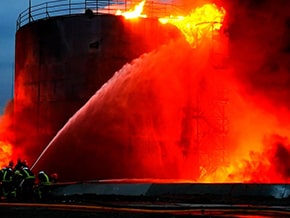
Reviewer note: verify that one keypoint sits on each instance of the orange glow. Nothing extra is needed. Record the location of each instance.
(6, 151)
(170, 120)
(179, 137)
(201, 22)
(131, 14)
(6, 136)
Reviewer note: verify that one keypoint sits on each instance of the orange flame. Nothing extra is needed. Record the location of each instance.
(5, 153)
(131, 14)
(198, 23)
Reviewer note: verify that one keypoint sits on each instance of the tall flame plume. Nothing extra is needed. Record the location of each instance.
(6, 152)
(131, 14)
(199, 23)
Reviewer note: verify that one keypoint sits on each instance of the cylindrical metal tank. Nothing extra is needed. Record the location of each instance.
(62, 61)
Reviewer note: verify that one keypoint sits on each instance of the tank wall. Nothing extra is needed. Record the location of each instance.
(61, 62)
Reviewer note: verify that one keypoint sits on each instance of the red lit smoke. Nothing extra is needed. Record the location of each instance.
(168, 82)
(259, 34)
(18, 136)
(259, 53)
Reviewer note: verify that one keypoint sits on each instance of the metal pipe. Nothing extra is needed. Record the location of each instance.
(29, 12)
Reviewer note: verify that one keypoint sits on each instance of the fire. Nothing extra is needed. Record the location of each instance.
(131, 14)
(6, 151)
(199, 23)
(154, 137)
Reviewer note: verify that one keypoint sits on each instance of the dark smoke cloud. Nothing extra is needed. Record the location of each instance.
(259, 33)
(271, 165)
(279, 154)
(282, 157)
(259, 51)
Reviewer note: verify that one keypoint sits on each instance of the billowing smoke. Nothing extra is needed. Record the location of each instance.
(16, 137)
(257, 111)
(259, 32)
(279, 154)
(132, 127)
(137, 125)
(270, 165)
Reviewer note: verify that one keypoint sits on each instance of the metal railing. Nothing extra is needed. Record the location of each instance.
(69, 7)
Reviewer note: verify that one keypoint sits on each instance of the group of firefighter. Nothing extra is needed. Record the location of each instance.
(18, 182)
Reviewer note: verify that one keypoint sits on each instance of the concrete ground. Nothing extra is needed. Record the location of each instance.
(116, 199)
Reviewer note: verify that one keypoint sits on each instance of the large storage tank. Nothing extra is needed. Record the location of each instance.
(61, 61)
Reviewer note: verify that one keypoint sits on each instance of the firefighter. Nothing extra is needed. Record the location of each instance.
(44, 185)
(7, 181)
(1, 175)
(54, 177)
(20, 164)
(27, 183)
(17, 179)
(1, 179)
